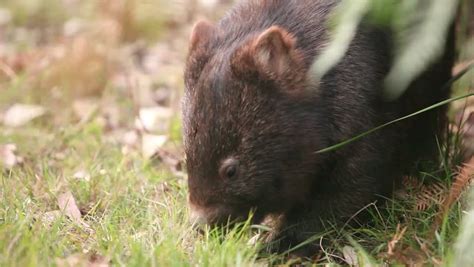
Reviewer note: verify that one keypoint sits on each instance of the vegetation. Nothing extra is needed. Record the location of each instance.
(91, 168)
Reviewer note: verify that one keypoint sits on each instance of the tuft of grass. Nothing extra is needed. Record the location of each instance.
(136, 216)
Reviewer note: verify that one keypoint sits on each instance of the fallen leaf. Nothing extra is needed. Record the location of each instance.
(5, 16)
(93, 260)
(130, 138)
(464, 126)
(73, 260)
(395, 239)
(253, 241)
(85, 108)
(82, 175)
(209, 4)
(98, 261)
(73, 26)
(171, 160)
(460, 185)
(408, 256)
(7, 156)
(20, 114)
(154, 119)
(48, 218)
(350, 256)
(67, 204)
(59, 155)
(162, 95)
(461, 66)
(151, 144)
(429, 196)
(111, 113)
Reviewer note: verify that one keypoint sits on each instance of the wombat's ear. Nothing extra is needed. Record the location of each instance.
(198, 53)
(273, 50)
(272, 54)
(201, 34)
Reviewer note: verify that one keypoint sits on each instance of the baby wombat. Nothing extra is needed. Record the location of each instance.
(254, 120)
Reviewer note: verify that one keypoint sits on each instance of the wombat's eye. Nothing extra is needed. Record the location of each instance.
(229, 168)
(230, 171)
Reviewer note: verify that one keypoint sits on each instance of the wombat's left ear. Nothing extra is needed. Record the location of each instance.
(201, 34)
(273, 53)
(198, 54)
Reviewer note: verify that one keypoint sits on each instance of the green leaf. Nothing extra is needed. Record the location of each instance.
(347, 18)
(421, 38)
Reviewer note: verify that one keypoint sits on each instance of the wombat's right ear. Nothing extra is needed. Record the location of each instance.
(272, 55)
(202, 33)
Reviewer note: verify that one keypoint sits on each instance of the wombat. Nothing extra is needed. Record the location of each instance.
(253, 120)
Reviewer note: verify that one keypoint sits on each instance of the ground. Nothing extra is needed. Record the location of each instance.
(91, 156)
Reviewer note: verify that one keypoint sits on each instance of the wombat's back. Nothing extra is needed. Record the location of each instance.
(353, 86)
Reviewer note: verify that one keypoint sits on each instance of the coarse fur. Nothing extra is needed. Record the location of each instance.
(253, 120)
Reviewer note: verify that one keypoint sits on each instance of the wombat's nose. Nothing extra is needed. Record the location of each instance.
(197, 216)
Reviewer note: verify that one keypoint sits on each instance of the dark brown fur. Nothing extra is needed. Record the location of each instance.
(249, 105)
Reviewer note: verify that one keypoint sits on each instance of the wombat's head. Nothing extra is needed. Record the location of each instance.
(250, 124)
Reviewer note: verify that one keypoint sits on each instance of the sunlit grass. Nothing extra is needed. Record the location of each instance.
(137, 214)
(133, 209)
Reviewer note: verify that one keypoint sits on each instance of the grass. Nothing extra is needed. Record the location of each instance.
(133, 209)
(137, 215)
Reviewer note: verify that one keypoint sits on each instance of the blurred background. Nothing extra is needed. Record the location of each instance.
(90, 128)
(116, 63)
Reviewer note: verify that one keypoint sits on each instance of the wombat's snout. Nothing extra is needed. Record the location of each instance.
(213, 215)
(197, 216)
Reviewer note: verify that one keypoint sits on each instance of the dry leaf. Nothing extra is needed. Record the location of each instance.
(350, 256)
(395, 239)
(429, 196)
(82, 175)
(461, 66)
(49, 217)
(83, 260)
(408, 256)
(464, 126)
(154, 119)
(5, 16)
(8, 159)
(85, 108)
(460, 184)
(172, 161)
(67, 204)
(209, 4)
(408, 183)
(151, 144)
(129, 139)
(21, 114)
(111, 113)
(253, 241)
(73, 27)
